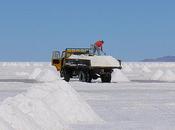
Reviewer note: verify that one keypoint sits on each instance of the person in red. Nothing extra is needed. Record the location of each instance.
(98, 47)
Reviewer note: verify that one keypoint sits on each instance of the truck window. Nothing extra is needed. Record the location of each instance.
(55, 55)
(63, 54)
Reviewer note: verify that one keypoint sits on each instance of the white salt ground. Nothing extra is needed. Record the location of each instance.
(21, 74)
(37, 64)
(118, 76)
(4, 64)
(137, 65)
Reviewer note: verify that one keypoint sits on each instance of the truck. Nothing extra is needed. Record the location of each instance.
(80, 63)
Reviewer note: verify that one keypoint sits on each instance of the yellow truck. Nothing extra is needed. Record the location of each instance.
(79, 62)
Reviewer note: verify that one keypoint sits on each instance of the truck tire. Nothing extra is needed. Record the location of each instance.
(106, 78)
(85, 76)
(61, 73)
(82, 76)
(88, 77)
(66, 76)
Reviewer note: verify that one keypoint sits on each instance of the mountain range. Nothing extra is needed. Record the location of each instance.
(161, 59)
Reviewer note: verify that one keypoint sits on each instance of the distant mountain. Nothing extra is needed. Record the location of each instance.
(161, 59)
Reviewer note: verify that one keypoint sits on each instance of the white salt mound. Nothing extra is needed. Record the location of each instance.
(70, 106)
(146, 69)
(157, 75)
(47, 76)
(4, 125)
(35, 73)
(118, 76)
(17, 119)
(45, 106)
(127, 68)
(66, 102)
(39, 111)
(168, 76)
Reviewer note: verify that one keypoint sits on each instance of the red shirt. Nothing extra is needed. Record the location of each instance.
(99, 43)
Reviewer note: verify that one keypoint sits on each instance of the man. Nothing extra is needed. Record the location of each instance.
(98, 47)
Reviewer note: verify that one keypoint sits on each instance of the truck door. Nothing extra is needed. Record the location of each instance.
(56, 59)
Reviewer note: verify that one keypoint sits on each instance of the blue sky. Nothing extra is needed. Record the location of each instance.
(132, 29)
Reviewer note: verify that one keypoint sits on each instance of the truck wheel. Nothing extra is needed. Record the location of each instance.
(82, 76)
(88, 78)
(66, 76)
(61, 73)
(106, 78)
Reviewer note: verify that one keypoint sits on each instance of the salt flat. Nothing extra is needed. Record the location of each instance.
(140, 97)
(130, 106)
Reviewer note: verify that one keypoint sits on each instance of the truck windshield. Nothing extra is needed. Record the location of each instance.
(76, 51)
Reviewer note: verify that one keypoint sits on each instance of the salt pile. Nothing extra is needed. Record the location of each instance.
(127, 68)
(146, 69)
(17, 119)
(168, 76)
(50, 105)
(35, 73)
(39, 111)
(118, 76)
(62, 98)
(47, 76)
(4, 125)
(157, 75)
(65, 101)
